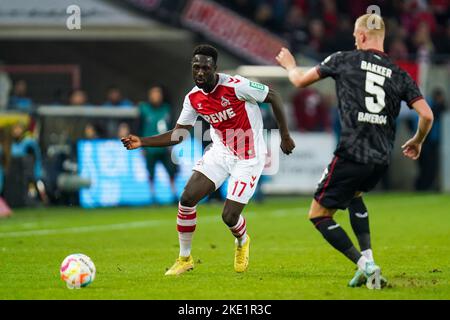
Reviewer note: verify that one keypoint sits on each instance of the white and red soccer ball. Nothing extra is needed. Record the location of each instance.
(77, 270)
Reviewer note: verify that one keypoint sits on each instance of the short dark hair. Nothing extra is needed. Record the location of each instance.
(206, 50)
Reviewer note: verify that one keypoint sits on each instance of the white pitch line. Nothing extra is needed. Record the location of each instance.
(95, 228)
(123, 226)
(45, 232)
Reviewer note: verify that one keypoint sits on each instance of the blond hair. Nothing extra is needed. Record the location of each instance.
(372, 23)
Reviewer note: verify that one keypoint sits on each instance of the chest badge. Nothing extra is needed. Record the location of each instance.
(225, 102)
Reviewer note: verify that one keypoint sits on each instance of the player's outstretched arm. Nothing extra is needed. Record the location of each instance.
(287, 144)
(169, 138)
(413, 146)
(297, 78)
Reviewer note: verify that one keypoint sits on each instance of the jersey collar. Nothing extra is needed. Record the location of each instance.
(217, 84)
(378, 51)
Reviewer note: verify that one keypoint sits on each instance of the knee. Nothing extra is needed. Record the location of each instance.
(318, 211)
(187, 199)
(230, 217)
(317, 214)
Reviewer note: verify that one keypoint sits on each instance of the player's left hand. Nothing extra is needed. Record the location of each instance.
(287, 145)
(286, 59)
(411, 149)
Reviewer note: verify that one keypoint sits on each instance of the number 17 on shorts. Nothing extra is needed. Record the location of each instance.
(241, 187)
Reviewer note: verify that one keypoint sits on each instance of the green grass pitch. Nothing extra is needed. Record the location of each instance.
(289, 259)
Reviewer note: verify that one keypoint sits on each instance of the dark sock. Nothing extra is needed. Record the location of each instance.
(337, 237)
(359, 219)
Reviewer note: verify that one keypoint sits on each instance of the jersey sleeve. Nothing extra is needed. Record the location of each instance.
(247, 90)
(188, 114)
(330, 66)
(411, 92)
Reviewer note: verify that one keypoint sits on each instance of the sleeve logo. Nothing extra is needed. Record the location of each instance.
(257, 85)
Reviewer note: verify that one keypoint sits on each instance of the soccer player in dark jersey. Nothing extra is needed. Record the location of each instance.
(370, 88)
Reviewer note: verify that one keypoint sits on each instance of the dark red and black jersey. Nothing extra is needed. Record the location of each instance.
(369, 88)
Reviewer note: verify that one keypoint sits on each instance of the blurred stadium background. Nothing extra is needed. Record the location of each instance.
(68, 93)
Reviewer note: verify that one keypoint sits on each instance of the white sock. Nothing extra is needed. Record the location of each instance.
(368, 254)
(185, 243)
(362, 262)
(242, 240)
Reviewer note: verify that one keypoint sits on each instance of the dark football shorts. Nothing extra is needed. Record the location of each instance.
(343, 178)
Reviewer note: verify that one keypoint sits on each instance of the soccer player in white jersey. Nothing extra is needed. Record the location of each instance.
(230, 105)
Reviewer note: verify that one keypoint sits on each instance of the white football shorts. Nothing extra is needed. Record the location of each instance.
(244, 174)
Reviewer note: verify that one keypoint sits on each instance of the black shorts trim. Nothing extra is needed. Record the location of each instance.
(333, 166)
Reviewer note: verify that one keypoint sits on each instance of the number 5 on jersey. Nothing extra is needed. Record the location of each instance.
(374, 86)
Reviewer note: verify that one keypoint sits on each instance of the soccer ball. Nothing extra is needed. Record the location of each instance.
(77, 270)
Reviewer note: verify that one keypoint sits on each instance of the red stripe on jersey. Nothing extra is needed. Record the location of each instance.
(232, 126)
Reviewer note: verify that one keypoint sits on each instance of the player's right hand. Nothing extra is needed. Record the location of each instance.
(411, 149)
(286, 59)
(131, 142)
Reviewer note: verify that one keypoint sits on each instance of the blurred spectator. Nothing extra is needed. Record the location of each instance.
(24, 174)
(398, 50)
(425, 16)
(422, 39)
(123, 130)
(264, 15)
(155, 119)
(267, 116)
(330, 16)
(316, 38)
(295, 28)
(441, 10)
(311, 111)
(114, 98)
(319, 28)
(19, 99)
(24, 144)
(93, 131)
(5, 153)
(78, 97)
(428, 161)
(342, 39)
(443, 40)
(357, 7)
(5, 88)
